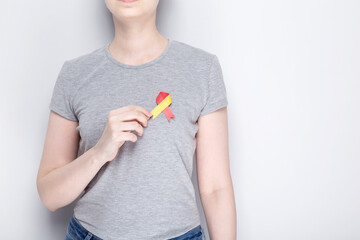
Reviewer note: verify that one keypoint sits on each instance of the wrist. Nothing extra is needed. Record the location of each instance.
(98, 157)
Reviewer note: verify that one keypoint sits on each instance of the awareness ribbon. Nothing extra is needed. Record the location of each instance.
(163, 100)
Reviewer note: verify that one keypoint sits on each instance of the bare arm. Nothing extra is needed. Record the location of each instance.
(61, 178)
(214, 178)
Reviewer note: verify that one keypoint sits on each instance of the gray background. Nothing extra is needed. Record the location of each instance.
(292, 74)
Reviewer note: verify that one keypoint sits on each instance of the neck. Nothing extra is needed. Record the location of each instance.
(137, 41)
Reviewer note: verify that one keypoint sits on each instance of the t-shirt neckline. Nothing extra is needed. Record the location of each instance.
(163, 54)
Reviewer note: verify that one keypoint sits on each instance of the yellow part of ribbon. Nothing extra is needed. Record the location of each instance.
(161, 106)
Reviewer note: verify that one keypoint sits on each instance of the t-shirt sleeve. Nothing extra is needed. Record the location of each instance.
(61, 97)
(216, 91)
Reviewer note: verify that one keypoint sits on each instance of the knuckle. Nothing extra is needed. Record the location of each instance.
(110, 118)
(135, 125)
(137, 114)
(113, 136)
(111, 126)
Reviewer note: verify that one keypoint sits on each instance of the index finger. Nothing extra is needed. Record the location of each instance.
(133, 107)
(141, 109)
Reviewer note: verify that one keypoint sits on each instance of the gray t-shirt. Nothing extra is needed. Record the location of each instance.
(146, 192)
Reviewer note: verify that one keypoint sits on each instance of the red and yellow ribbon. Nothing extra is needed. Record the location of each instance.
(163, 100)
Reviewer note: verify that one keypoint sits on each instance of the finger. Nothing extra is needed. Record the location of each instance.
(127, 136)
(134, 115)
(143, 110)
(132, 126)
(133, 107)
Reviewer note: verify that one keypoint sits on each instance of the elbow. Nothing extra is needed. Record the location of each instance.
(214, 190)
(52, 209)
(45, 197)
(48, 203)
(49, 206)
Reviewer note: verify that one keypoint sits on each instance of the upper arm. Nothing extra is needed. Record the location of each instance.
(62, 136)
(61, 143)
(212, 157)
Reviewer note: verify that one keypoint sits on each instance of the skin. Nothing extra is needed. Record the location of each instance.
(213, 175)
(62, 177)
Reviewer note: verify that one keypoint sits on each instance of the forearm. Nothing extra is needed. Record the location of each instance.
(63, 185)
(220, 213)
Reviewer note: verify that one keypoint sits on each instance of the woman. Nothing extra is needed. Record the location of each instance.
(173, 97)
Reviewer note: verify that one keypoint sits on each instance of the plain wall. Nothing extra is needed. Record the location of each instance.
(291, 70)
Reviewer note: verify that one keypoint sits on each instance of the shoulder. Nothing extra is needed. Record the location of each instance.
(75, 71)
(85, 62)
(192, 54)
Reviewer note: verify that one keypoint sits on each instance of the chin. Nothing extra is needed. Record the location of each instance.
(127, 15)
(138, 9)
